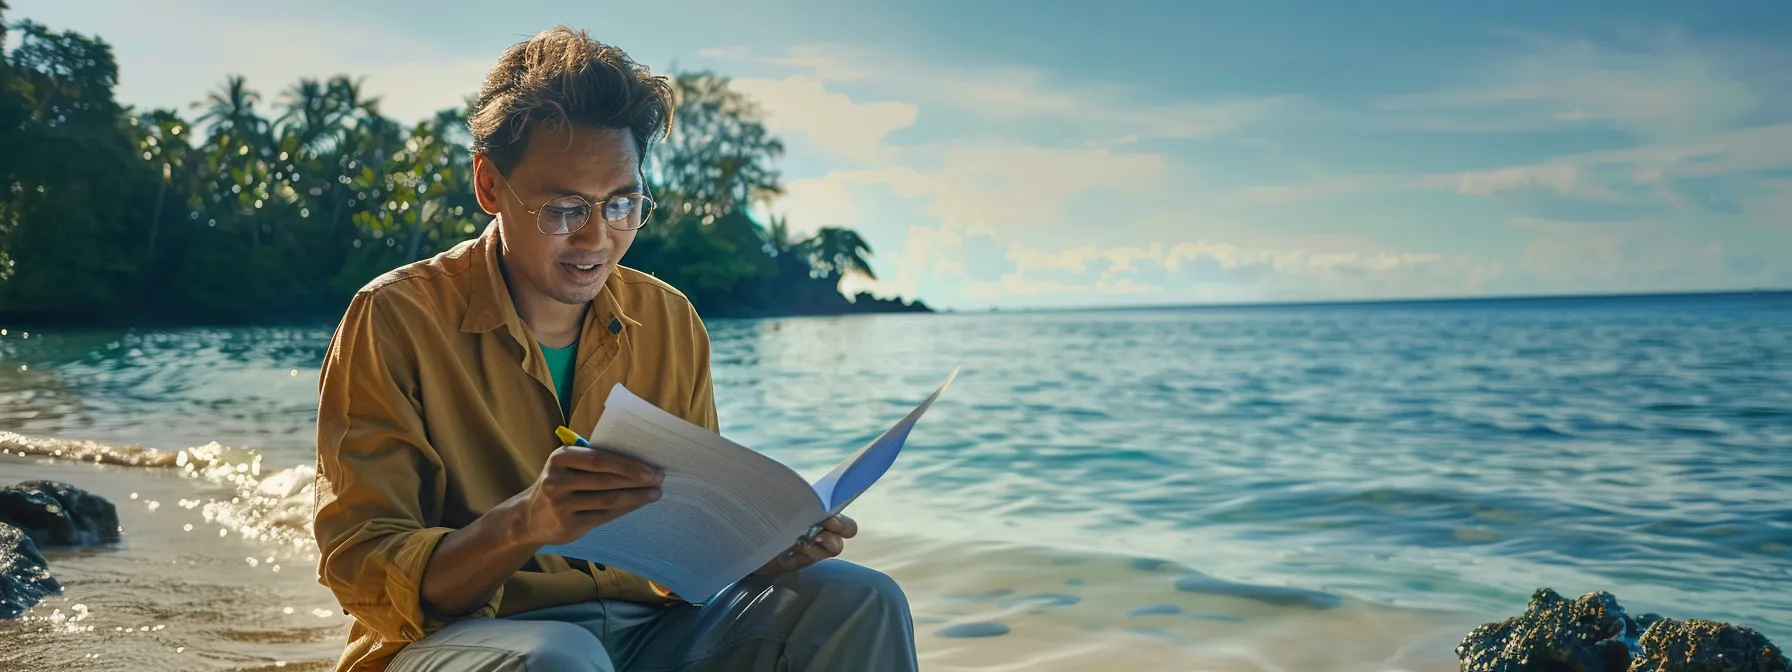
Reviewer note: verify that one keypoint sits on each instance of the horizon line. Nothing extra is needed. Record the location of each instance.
(1490, 298)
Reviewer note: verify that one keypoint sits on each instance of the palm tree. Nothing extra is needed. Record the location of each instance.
(163, 139)
(310, 115)
(230, 111)
(835, 253)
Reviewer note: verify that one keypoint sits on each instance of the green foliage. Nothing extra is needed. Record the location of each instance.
(719, 156)
(71, 182)
(270, 209)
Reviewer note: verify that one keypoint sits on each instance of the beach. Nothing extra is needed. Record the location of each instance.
(196, 599)
(1311, 488)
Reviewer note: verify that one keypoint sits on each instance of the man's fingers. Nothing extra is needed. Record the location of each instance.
(830, 542)
(792, 561)
(602, 461)
(841, 525)
(814, 553)
(609, 500)
(574, 480)
(824, 547)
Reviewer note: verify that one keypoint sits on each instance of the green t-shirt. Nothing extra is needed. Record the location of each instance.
(560, 365)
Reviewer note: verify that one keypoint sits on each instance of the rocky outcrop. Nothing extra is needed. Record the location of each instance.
(1706, 646)
(1593, 634)
(58, 514)
(24, 574)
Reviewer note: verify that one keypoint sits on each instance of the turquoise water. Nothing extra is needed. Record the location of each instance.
(1454, 455)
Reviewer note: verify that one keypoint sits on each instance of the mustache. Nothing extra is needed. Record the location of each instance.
(585, 258)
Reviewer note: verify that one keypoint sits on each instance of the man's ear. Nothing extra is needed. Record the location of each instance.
(485, 184)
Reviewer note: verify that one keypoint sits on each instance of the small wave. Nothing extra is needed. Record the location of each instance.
(1757, 413)
(76, 450)
(1531, 431)
(273, 507)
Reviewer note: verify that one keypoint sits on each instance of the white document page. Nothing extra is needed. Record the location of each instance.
(857, 474)
(724, 509)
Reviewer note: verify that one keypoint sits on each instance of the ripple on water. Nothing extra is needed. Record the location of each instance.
(970, 630)
(1276, 595)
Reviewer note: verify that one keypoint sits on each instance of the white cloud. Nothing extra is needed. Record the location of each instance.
(1563, 250)
(1016, 284)
(1597, 176)
(1127, 286)
(1660, 87)
(1625, 256)
(803, 107)
(1772, 207)
(1738, 152)
(986, 187)
(818, 60)
(927, 253)
(1106, 109)
(1334, 267)
(1268, 194)
(1563, 177)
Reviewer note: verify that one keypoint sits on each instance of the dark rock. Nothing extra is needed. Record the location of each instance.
(1592, 634)
(1706, 646)
(1276, 595)
(1553, 635)
(1642, 623)
(24, 574)
(59, 514)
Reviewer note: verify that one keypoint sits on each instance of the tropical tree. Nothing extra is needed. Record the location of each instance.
(241, 213)
(229, 113)
(72, 179)
(718, 155)
(835, 253)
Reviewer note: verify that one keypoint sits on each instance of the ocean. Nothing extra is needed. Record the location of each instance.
(1346, 486)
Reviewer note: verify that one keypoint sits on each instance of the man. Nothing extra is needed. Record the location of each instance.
(439, 474)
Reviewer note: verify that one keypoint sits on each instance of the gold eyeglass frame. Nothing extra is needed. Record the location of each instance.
(646, 207)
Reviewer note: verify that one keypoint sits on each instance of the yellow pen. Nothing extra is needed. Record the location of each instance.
(571, 438)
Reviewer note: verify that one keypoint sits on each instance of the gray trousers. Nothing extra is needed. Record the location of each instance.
(833, 615)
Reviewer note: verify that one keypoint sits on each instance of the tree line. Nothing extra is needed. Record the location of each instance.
(255, 207)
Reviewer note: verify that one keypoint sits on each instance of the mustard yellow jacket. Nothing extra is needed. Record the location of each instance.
(436, 405)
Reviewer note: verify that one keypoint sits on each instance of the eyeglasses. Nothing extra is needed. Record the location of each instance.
(567, 214)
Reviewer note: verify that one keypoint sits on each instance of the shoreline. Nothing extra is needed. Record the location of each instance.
(17, 322)
(232, 592)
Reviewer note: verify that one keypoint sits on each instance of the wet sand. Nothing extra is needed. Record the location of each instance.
(237, 591)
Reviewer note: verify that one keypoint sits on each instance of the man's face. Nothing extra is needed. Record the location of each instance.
(570, 160)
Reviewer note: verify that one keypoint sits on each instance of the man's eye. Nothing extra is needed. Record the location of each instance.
(617, 208)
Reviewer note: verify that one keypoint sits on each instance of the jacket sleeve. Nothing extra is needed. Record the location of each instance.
(379, 482)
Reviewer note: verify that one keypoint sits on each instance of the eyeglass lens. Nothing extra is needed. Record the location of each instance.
(569, 214)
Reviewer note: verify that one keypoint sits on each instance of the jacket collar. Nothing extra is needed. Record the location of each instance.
(490, 305)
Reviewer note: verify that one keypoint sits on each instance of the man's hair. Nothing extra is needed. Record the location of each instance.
(561, 76)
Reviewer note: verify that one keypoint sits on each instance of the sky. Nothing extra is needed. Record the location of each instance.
(1058, 154)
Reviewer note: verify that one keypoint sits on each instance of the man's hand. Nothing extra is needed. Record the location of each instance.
(581, 488)
(829, 543)
(578, 489)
